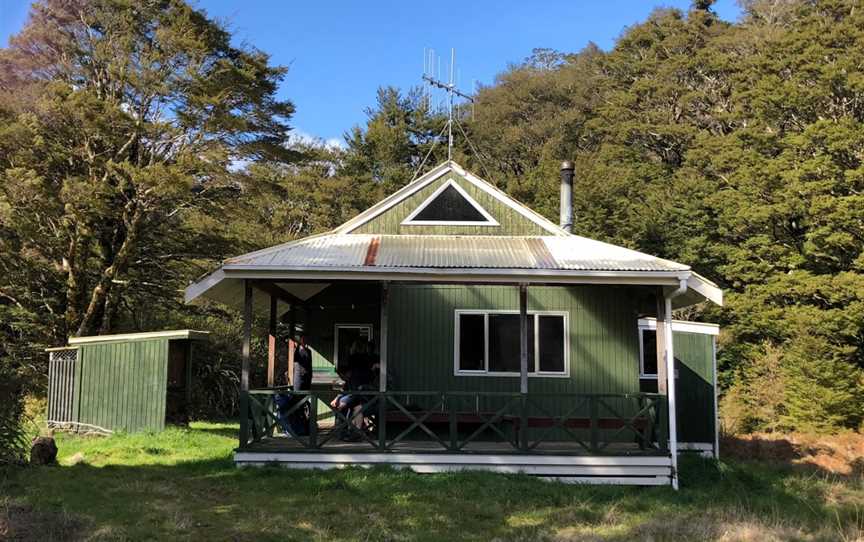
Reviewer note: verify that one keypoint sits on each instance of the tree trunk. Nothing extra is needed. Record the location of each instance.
(96, 309)
(79, 247)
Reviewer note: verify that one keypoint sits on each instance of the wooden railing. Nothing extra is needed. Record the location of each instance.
(424, 421)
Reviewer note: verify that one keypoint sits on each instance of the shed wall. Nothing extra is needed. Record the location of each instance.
(694, 362)
(122, 386)
(694, 365)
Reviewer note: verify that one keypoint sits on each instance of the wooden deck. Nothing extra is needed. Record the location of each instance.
(280, 443)
(563, 461)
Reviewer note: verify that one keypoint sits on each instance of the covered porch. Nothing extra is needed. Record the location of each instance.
(622, 438)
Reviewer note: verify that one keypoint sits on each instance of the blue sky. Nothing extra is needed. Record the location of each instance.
(339, 52)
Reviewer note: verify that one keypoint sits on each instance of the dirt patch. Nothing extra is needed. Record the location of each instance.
(838, 454)
(21, 522)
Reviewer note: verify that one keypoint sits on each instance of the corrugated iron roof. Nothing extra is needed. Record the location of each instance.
(453, 252)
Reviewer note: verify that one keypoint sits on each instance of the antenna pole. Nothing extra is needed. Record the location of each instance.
(452, 93)
(450, 109)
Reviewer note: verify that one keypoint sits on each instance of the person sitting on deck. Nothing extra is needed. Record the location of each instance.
(360, 375)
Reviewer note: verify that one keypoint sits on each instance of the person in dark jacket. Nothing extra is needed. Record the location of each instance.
(302, 365)
(302, 381)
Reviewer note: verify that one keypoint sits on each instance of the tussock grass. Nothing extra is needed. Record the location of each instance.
(181, 484)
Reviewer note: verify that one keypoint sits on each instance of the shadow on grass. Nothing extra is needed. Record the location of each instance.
(230, 432)
(829, 456)
(213, 499)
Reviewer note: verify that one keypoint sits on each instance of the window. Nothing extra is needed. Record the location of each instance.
(648, 349)
(450, 205)
(487, 343)
(504, 344)
(471, 338)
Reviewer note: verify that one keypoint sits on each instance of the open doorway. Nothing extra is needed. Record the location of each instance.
(345, 336)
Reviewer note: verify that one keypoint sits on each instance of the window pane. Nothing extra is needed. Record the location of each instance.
(552, 344)
(450, 206)
(504, 343)
(649, 352)
(471, 342)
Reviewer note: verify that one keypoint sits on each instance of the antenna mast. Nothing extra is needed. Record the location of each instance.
(449, 88)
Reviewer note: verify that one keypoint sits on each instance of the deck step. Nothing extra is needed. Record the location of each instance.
(573, 469)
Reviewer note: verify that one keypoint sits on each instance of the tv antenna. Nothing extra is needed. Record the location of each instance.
(430, 63)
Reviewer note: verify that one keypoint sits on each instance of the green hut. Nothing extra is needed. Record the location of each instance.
(505, 342)
(129, 382)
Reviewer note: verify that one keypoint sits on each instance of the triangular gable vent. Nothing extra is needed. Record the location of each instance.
(450, 205)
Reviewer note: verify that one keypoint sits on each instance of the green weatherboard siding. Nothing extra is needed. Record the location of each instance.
(603, 337)
(694, 364)
(603, 347)
(694, 356)
(122, 386)
(603, 333)
(511, 222)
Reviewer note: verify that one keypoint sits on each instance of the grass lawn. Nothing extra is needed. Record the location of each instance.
(181, 484)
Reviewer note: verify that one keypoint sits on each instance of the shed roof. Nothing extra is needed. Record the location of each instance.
(123, 337)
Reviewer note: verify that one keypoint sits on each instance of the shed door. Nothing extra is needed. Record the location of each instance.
(61, 386)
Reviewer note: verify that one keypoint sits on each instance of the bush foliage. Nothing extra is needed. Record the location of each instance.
(737, 148)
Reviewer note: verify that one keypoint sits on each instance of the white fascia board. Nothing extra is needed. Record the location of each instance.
(705, 288)
(420, 274)
(197, 289)
(682, 326)
(393, 199)
(433, 175)
(489, 219)
(507, 200)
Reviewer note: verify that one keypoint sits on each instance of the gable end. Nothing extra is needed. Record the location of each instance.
(401, 213)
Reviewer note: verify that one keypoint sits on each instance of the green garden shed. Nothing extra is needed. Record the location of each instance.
(129, 382)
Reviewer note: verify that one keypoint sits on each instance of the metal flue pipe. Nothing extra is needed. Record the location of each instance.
(567, 171)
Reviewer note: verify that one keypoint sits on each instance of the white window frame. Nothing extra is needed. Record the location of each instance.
(485, 371)
(650, 324)
(490, 220)
(337, 327)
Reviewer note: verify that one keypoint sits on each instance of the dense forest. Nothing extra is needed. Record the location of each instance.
(139, 146)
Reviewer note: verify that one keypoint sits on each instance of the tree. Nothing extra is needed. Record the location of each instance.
(121, 121)
(735, 148)
(399, 133)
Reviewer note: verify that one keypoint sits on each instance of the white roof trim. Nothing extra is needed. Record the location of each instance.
(196, 289)
(683, 326)
(393, 199)
(705, 288)
(461, 275)
(489, 219)
(171, 334)
(432, 176)
(504, 198)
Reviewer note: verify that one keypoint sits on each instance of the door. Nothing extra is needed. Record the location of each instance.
(345, 336)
